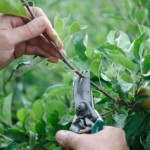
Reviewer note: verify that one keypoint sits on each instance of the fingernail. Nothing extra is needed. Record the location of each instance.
(39, 22)
(60, 135)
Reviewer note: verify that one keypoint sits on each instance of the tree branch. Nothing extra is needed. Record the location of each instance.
(111, 111)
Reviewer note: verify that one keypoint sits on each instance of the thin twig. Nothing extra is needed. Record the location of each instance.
(111, 111)
(66, 61)
(102, 91)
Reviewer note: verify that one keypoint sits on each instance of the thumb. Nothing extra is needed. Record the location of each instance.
(28, 31)
(68, 139)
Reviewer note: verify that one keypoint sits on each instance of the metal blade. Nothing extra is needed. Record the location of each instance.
(82, 90)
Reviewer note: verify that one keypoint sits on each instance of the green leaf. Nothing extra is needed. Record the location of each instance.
(58, 24)
(22, 114)
(124, 61)
(144, 29)
(56, 90)
(25, 67)
(95, 64)
(134, 126)
(40, 127)
(137, 49)
(18, 136)
(105, 77)
(89, 52)
(53, 119)
(32, 138)
(113, 48)
(125, 86)
(37, 110)
(141, 15)
(120, 39)
(120, 118)
(6, 110)
(12, 7)
(80, 47)
(146, 76)
(66, 119)
(148, 141)
(75, 27)
(146, 64)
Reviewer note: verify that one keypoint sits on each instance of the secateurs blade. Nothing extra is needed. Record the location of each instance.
(87, 119)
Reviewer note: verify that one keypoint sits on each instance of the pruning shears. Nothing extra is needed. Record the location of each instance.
(87, 119)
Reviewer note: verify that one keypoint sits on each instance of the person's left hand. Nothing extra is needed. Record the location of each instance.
(19, 36)
(110, 138)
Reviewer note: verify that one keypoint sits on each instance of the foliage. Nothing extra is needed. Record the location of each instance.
(34, 106)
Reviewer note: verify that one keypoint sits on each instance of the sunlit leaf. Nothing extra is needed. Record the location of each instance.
(120, 118)
(58, 24)
(137, 49)
(37, 110)
(56, 89)
(120, 39)
(95, 63)
(76, 27)
(80, 47)
(124, 61)
(144, 29)
(12, 7)
(125, 86)
(22, 114)
(141, 15)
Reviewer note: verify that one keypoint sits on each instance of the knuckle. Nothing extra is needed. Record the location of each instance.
(120, 132)
(74, 139)
(38, 10)
(27, 29)
(5, 37)
(43, 18)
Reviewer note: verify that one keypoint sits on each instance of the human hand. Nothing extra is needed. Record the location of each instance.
(110, 138)
(18, 36)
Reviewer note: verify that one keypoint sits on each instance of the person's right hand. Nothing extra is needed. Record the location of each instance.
(23, 37)
(110, 138)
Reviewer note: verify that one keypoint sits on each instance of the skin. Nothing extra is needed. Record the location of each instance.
(20, 37)
(110, 138)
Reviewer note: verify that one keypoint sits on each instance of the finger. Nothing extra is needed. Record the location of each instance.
(49, 29)
(68, 139)
(9, 22)
(22, 49)
(41, 42)
(33, 50)
(27, 31)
